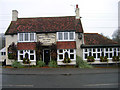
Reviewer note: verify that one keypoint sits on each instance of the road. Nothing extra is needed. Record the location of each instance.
(61, 81)
(60, 78)
(57, 80)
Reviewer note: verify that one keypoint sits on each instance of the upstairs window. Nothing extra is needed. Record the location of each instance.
(26, 37)
(60, 36)
(71, 35)
(21, 37)
(65, 36)
(31, 36)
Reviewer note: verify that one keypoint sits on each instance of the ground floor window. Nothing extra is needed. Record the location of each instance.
(98, 52)
(30, 54)
(68, 53)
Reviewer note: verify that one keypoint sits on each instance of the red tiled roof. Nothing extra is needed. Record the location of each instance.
(45, 24)
(97, 39)
(66, 45)
(26, 46)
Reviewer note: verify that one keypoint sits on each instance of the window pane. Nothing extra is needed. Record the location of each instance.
(106, 49)
(110, 55)
(31, 36)
(31, 51)
(119, 54)
(98, 49)
(94, 50)
(60, 56)
(85, 50)
(110, 49)
(94, 55)
(60, 36)
(1, 53)
(98, 55)
(102, 54)
(114, 53)
(71, 35)
(65, 36)
(21, 51)
(71, 56)
(89, 49)
(26, 36)
(86, 56)
(31, 57)
(61, 51)
(21, 57)
(71, 51)
(118, 49)
(107, 55)
(90, 54)
(21, 36)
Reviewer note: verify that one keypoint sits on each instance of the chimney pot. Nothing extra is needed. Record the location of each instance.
(76, 5)
(14, 15)
(77, 12)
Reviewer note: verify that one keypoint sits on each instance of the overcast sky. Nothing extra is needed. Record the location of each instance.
(98, 16)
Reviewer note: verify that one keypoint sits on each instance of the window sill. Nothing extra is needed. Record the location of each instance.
(65, 40)
(26, 41)
(22, 60)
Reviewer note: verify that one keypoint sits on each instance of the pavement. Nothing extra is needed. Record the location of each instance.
(63, 71)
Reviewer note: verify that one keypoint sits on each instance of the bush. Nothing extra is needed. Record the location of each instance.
(10, 56)
(103, 59)
(115, 58)
(90, 59)
(66, 60)
(26, 61)
(52, 63)
(40, 63)
(82, 64)
(16, 64)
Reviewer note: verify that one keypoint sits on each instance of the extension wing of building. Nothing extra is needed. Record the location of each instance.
(65, 31)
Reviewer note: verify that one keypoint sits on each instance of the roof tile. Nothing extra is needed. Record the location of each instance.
(26, 46)
(45, 24)
(66, 45)
(97, 39)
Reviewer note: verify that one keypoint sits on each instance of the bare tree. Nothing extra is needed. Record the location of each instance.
(116, 36)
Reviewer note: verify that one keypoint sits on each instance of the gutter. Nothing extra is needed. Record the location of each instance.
(99, 46)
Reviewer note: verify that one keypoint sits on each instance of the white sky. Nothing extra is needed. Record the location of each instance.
(98, 16)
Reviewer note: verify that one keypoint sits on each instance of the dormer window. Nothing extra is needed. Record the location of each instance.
(26, 37)
(65, 36)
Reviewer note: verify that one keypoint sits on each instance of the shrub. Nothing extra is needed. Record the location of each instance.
(52, 63)
(82, 64)
(90, 59)
(103, 59)
(26, 61)
(115, 58)
(10, 56)
(16, 64)
(40, 63)
(66, 60)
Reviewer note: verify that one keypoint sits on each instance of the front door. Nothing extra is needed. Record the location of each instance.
(46, 56)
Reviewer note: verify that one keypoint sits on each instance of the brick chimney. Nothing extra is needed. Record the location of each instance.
(14, 15)
(77, 12)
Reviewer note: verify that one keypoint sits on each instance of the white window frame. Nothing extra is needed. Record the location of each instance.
(64, 51)
(63, 36)
(34, 40)
(96, 52)
(24, 52)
